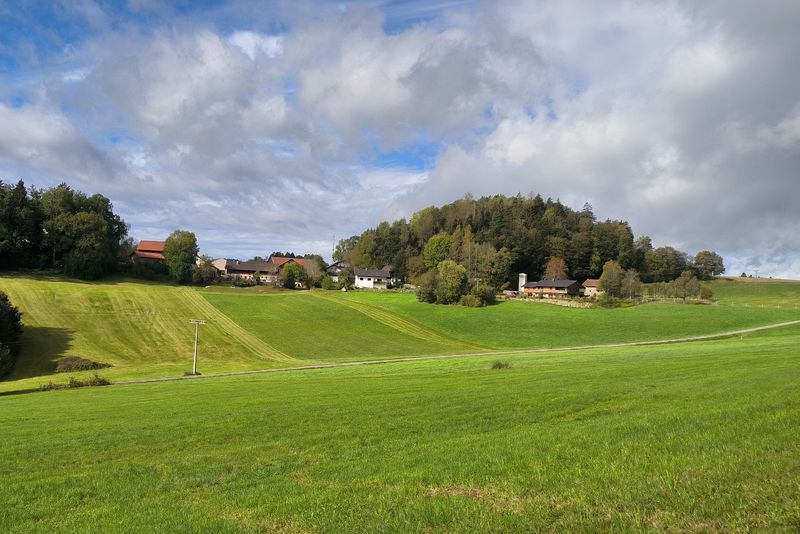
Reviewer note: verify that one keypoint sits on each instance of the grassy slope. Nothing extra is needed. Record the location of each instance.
(516, 324)
(140, 328)
(307, 326)
(700, 436)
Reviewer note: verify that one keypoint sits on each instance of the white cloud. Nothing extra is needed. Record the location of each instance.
(681, 118)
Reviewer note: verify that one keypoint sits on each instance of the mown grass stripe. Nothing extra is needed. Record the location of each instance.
(393, 320)
(248, 340)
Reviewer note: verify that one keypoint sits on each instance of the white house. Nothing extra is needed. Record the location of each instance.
(373, 278)
(592, 286)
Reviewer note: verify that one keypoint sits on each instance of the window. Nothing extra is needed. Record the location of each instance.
(362, 278)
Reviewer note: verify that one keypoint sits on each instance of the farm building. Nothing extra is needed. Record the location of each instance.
(553, 288)
(268, 270)
(149, 252)
(374, 278)
(335, 269)
(592, 287)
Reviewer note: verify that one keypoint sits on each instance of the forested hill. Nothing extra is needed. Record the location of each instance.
(497, 237)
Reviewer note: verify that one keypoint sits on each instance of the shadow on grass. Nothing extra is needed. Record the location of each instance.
(41, 347)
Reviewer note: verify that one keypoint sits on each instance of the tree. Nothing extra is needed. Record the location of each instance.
(347, 278)
(436, 250)
(451, 283)
(205, 273)
(707, 264)
(500, 269)
(426, 287)
(10, 331)
(664, 264)
(292, 275)
(180, 254)
(555, 269)
(344, 247)
(631, 285)
(686, 285)
(611, 279)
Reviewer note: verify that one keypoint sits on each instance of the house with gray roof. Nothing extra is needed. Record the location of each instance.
(550, 289)
(374, 278)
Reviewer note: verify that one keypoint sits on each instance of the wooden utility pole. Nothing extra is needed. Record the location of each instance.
(196, 323)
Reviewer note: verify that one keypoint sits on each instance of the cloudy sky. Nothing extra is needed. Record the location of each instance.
(278, 126)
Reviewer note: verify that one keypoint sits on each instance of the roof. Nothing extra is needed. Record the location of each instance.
(591, 282)
(278, 260)
(555, 284)
(249, 266)
(372, 273)
(148, 255)
(151, 246)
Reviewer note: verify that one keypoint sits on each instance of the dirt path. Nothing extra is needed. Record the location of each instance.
(474, 354)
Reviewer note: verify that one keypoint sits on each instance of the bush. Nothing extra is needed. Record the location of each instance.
(240, 281)
(148, 271)
(426, 287)
(607, 301)
(472, 301)
(76, 363)
(501, 365)
(706, 292)
(73, 383)
(484, 292)
(327, 283)
(10, 330)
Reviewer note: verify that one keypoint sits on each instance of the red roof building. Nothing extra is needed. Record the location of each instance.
(149, 251)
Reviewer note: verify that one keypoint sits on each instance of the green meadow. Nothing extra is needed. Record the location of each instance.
(697, 437)
(142, 329)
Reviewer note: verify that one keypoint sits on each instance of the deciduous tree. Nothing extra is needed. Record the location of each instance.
(555, 269)
(180, 255)
(611, 279)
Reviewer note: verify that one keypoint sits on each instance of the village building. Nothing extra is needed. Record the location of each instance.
(551, 289)
(149, 252)
(335, 269)
(268, 270)
(374, 278)
(591, 287)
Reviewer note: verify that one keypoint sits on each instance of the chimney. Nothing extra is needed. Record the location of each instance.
(523, 279)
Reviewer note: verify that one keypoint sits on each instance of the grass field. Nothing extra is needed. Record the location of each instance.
(697, 437)
(142, 329)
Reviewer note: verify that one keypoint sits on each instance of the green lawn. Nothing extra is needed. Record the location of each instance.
(520, 324)
(142, 328)
(691, 437)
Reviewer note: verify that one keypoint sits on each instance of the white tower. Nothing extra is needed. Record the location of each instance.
(523, 279)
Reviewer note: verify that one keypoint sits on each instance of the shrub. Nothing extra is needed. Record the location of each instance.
(484, 292)
(706, 292)
(10, 330)
(607, 301)
(426, 287)
(472, 301)
(240, 281)
(76, 363)
(73, 383)
(327, 283)
(501, 365)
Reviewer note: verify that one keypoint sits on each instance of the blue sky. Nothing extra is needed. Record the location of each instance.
(275, 126)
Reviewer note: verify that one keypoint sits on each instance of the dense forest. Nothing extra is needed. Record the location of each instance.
(60, 228)
(496, 237)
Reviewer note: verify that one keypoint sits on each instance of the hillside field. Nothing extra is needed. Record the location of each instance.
(142, 328)
(698, 437)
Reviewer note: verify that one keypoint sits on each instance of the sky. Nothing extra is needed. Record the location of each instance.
(265, 126)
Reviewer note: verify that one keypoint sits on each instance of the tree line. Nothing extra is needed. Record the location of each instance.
(496, 237)
(60, 228)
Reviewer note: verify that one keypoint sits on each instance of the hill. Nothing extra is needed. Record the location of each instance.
(689, 437)
(142, 328)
